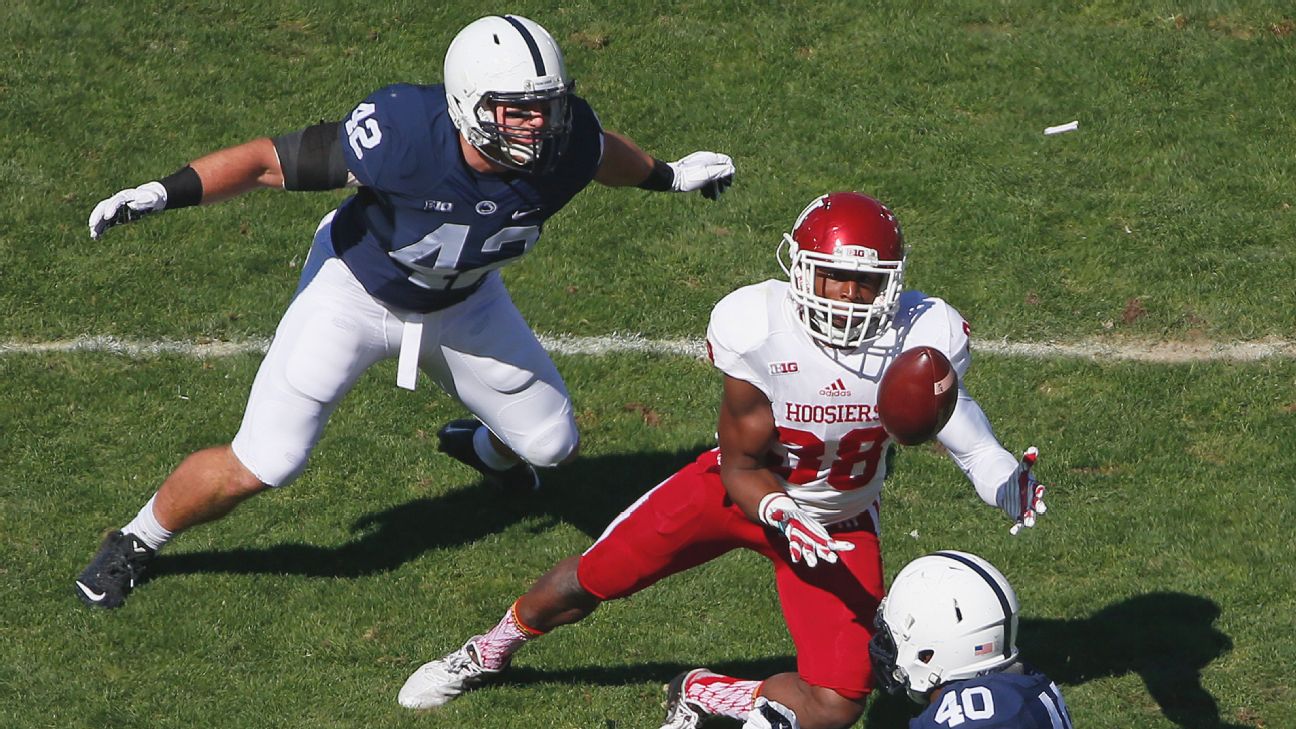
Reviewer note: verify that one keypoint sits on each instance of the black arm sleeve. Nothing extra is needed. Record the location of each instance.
(312, 159)
(660, 178)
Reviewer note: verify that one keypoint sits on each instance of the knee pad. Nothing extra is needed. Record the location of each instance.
(274, 469)
(551, 443)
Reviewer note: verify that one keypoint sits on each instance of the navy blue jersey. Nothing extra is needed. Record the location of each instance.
(425, 228)
(1027, 700)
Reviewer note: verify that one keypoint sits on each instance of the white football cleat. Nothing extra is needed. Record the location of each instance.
(436, 683)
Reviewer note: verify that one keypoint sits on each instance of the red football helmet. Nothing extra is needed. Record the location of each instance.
(845, 231)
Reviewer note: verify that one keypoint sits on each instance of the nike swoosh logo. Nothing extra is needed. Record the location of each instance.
(523, 213)
(94, 596)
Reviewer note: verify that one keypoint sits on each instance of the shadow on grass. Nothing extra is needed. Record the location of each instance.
(587, 494)
(1165, 638)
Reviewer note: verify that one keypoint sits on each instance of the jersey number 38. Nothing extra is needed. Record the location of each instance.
(853, 465)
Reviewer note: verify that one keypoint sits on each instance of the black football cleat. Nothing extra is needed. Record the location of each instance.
(456, 441)
(116, 569)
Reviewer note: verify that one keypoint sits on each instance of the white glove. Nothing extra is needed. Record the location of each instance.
(710, 172)
(770, 715)
(806, 537)
(1022, 497)
(127, 206)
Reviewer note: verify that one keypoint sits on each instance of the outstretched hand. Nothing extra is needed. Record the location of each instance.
(1022, 497)
(710, 172)
(127, 206)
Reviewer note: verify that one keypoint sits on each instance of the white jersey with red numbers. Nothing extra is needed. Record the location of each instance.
(831, 445)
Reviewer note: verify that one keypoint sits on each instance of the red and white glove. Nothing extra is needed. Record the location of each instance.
(807, 539)
(1022, 497)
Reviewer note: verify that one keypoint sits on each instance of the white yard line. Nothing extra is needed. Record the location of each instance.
(1089, 349)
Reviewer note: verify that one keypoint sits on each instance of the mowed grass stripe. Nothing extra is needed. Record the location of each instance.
(1125, 349)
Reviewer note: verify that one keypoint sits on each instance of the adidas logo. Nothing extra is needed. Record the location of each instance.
(836, 388)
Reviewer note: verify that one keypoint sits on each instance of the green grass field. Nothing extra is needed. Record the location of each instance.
(1158, 590)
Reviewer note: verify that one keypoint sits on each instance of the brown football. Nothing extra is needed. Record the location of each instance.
(917, 395)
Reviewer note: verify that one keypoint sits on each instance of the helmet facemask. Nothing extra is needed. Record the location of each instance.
(850, 234)
(882, 654)
(838, 323)
(519, 146)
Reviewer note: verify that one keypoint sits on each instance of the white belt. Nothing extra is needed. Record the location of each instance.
(411, 342)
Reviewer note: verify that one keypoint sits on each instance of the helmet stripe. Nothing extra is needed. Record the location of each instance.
(531, 44)
(998, 591)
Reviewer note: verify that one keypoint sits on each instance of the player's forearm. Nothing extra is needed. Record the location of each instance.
(745, 429)
(235, 170)
(748, 486)
(971, 442)
(624, 163)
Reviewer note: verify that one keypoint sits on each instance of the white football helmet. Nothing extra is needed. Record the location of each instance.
(845, 231)
(949, 616)
(508, 60)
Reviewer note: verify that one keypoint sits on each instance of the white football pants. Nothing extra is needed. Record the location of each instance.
(480, 351)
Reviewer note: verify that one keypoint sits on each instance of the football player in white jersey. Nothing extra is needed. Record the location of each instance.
(455, 180)
(796, 478)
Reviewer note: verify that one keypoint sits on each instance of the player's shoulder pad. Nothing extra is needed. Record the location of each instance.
(583, 117)
(931, 321)
(740, 321)
(383, 135)
(585, 152)
(739, 326)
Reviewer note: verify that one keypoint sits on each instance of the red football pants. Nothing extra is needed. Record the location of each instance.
(688, 519)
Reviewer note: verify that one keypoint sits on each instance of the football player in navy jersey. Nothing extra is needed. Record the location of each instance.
(453, 181)
(947, 636)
